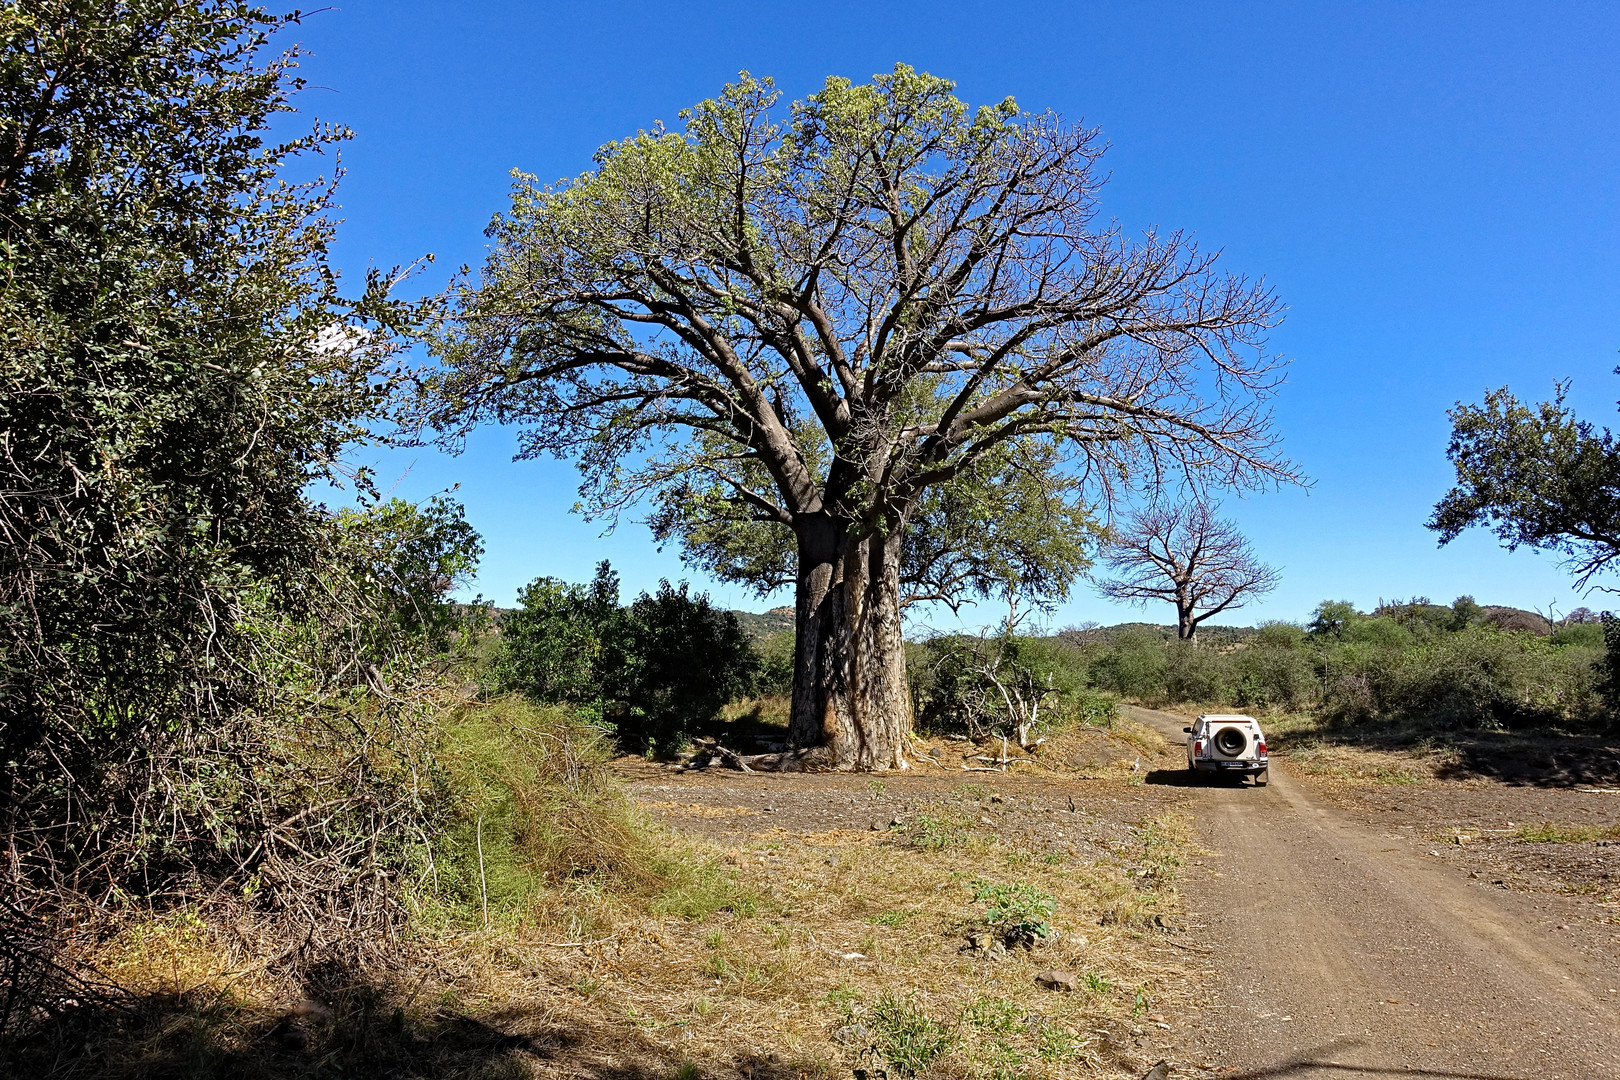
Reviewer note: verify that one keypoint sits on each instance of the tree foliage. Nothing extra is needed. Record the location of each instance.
(681, 662)
(655, 670)
(1538, 477)
(1012, 526)
(803, 332)
(194, 653)
(178, 364)
(1005, 684)
(553, 645)
(1609, 680)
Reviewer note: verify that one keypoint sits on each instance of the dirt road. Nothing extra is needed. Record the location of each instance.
(1345, 952)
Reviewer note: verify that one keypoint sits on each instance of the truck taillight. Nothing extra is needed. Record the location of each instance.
(1198, 748)
(1261, 748)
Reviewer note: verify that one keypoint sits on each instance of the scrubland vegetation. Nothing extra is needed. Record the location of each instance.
(1448, 667)
(273, 802)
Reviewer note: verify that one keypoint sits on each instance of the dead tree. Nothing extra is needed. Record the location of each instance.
(1187, 556)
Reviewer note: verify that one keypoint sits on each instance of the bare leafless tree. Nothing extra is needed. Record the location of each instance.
(1185, 555)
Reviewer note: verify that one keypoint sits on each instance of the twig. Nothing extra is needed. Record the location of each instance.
(483, 885)
(576, 944)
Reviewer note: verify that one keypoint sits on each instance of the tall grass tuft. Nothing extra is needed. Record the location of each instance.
(533, 781)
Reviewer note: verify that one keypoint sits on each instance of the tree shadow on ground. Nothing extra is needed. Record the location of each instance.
(754, 727)
(346, 1028)
(1521, 758)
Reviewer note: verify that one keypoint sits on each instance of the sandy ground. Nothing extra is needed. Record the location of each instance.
(1347, 940)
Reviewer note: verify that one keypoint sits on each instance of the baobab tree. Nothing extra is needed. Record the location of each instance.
(789, 329)
(1187, 556)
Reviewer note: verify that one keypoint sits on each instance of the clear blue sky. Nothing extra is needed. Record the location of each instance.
(1431, 188)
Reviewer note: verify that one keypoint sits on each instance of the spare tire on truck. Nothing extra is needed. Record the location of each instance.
(1231, 741)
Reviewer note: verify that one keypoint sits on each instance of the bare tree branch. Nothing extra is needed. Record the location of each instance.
(1186, 556)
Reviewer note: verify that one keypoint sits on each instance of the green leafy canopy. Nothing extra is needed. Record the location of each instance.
(877, 307)
(1538, 477)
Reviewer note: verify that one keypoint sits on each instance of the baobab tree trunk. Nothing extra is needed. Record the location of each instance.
(1186, 622)
(851, 704)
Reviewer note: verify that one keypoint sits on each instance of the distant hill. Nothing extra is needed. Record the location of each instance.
(1509, 618)
(1209, 634)
(759, 625)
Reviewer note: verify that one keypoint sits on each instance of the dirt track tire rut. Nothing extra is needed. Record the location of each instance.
(1341, 956)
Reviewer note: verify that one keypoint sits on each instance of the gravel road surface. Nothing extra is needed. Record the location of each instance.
(1345, 952)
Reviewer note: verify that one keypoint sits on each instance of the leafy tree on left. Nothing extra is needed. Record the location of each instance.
(177, 366)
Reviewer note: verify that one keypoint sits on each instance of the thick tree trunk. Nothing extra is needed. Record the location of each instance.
(851, 704)
(1186, 622)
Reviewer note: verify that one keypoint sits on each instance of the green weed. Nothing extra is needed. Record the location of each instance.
(1016, 908)
(936, 833)
(906, 1037)
(1550, 833)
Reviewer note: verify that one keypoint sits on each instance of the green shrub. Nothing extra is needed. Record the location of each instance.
(963, 684)
(774, 677)
(1134, 667)
(678, 662)
(1412, 661)
(1193, 673)
(1586, 635)
(1377, 630)
(1478, 677)
(1279, 635)
(654, 670)
(1331, 618)
(1609, 666)
(1273, 675)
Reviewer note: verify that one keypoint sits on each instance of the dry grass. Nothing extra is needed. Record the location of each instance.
(1312, 749)
(787, 956)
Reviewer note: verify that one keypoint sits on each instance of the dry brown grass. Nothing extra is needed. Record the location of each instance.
(1316, 750)
(789, 955)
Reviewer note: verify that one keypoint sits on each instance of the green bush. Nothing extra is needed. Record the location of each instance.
(655, 670)
(1586, 635)
(1016, 908)
(1197, 674)
(774, 677)
(1609, 666)
(680, 661)
(964, 684)
(1134, 667)
(1273, 675)
(1478, 677)
(1410, 661)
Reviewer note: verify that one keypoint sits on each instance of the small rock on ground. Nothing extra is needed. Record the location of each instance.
(1058, 980)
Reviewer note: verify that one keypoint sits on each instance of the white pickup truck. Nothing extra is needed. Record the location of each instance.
(1224, 743)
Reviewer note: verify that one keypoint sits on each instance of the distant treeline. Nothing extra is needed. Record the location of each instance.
(1460, 664)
